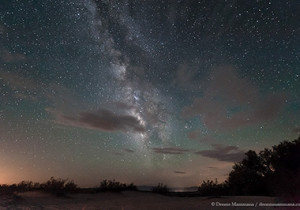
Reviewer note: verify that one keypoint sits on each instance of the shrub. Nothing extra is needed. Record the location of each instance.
(59, 186)
(70, 186)
(115, 186)
(213, 188)
(25, 186)
(160, 188)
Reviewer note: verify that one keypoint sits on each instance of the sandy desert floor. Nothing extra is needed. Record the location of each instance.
(126, 200)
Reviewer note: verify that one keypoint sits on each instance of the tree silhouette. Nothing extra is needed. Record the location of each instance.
(284, 166)
(247, 176)
(257, 173)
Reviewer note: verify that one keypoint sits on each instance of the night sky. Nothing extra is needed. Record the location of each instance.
(144, 91)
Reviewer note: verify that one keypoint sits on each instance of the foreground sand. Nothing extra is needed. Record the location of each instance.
(123, 200)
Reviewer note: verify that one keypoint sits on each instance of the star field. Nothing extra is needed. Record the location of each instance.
(144, 91)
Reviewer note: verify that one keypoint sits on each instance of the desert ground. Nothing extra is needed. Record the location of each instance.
(126, 200)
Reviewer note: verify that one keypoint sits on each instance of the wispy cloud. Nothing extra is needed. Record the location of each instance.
(129, 150)
(170, 150)
(179, 172)
(223, 153)
(102, 119)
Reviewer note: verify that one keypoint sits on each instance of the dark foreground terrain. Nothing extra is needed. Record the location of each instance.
(128, 200)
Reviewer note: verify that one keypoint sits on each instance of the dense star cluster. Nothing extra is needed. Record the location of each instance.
(144, 91)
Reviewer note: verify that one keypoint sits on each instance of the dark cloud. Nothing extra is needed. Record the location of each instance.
(21, 87)
(179, 172)
(230, 101)
(105, 120)
(170, 150)
(193, 134)
(16, 82)
(269, 108)
(9, 57)
(3, 29)
(223, 153)
(27, 88)
(263, 111)
(129, 150)
(225, 83)
(198, 136)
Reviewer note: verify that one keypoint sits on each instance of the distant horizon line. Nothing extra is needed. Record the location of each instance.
(139, 186)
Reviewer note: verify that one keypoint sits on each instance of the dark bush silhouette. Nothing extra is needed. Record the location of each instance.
(115, 186)
(23, 186)
(59, 186)
(160, 188)
(26, 186)
(7, 189)
(70, 186)
(213, 188)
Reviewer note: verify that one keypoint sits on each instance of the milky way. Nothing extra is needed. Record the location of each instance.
(144, 91)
